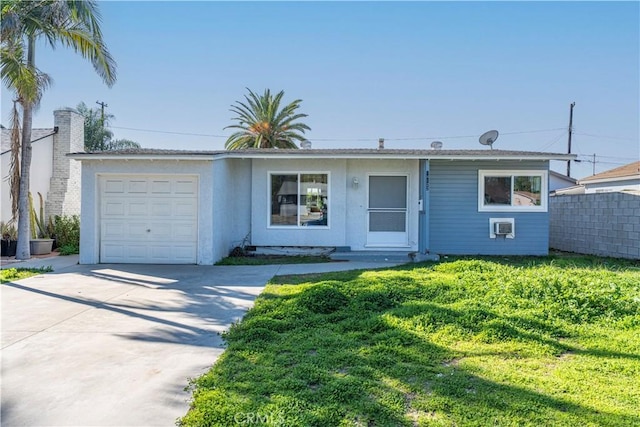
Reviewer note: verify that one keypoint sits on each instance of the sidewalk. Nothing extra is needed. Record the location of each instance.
(53, 260)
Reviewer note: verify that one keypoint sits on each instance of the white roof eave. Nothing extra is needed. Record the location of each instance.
(375, 156)
(152, 157)
(398, 156)
(612, 179)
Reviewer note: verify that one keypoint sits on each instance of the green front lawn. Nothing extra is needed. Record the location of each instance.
(12, 274)
(521, 342)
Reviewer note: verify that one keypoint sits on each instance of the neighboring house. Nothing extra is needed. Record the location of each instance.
(558, 181)
(623, 178)
(192, 207)
(52, 173)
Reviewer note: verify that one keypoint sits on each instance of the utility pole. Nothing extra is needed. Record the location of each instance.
(573, 104)
(593, 163)
(102, 105)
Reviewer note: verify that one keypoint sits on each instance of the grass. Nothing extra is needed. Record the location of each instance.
(465, 342)
(12, 274)
(273, 259)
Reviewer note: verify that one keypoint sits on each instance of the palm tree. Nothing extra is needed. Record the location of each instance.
(122, 144)
(74, 24)
(263, 124)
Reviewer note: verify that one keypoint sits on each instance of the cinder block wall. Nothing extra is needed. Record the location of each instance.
(604, 224)
(64, 190)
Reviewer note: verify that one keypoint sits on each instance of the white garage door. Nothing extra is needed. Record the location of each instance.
(149, 219)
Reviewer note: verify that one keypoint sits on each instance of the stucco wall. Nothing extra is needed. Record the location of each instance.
(605, 224)
(90, 224)
(609, 187)
(357, 199)
(347, 204)
(52, 174)
(264, 235)
(231, 204)
(40, 174)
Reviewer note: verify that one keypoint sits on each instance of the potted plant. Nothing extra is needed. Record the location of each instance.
(41, 242)
(9, 242)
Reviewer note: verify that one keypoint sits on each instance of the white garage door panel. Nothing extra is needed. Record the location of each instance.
(149, 219)
(114, 186)
(186, 187)
(137, 186)
(183, 232)
(113, 208)
(182, 254)
(160, 187)
(138, 208)
(113, 251)
(111, 230)
(136, 253)
(161, 208)
(185, 208)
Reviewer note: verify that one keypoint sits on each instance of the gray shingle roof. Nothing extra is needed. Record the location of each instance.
(339, 152)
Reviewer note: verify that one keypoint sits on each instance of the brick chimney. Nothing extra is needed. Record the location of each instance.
(64, 188)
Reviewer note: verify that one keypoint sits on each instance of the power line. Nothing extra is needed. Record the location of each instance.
(612, 163)
(605, 136)
(553, 142)
(607, 157)
(339, 139)
(170, 132)
(421, 138)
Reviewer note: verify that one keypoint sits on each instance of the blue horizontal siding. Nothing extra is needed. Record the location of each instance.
(455, 225)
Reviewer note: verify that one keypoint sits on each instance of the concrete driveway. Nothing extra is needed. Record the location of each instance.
(106, 345)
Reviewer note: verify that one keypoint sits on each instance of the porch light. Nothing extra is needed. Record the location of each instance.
(355, 182)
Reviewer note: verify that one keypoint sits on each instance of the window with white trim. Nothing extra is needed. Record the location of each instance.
(512, 191)
(299, 199)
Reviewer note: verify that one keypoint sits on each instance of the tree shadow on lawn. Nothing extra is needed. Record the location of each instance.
(369, 370)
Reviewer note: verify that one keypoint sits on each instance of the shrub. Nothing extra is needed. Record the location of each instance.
(67, 230)
(8, 230)
(69, 250)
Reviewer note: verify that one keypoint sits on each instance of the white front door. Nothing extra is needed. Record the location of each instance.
(149, 219)
(387, 211)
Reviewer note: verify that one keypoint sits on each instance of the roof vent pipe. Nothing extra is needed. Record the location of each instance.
(381, 144)
(305, 145)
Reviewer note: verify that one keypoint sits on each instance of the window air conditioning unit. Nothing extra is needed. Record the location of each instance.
(502, 228)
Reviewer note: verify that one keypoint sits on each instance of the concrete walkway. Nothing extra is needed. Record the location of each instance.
(57, 262)
(115, 345)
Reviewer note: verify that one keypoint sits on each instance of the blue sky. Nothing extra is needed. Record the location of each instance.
(411, 72)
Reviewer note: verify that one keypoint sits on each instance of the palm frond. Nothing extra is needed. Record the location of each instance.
(90, 47)
(14, 166)
(28, 81)
(263, 123)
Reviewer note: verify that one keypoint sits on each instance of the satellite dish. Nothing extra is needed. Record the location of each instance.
(306, 144)
(436, 145)
(488, 138)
